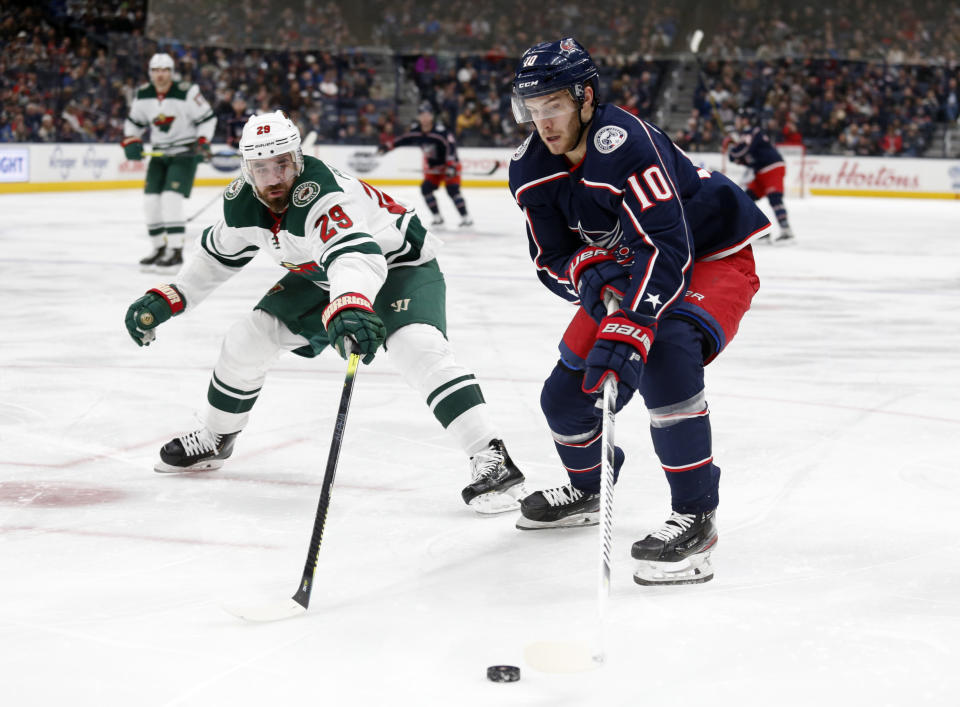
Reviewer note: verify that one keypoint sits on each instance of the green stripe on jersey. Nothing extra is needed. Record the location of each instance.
(414, 236)
(351, 243)
(231, 260)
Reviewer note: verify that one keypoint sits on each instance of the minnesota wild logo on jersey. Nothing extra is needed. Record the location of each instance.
(163, 122)
(233, 189)
(305, 193)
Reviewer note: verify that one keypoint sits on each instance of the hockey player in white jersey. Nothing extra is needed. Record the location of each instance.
(181, 125)
(360, 265)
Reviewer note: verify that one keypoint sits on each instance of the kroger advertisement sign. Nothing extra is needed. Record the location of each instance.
(60, 167)
(14, 165)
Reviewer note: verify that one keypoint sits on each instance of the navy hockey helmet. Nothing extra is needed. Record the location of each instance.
(748, 114)
(549, 67)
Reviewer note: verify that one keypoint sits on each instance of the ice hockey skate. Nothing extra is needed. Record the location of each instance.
(201, 450)
(561, 507)
(466, 222)
(785, 237)
(678, 552)
(147, 264)
(497, 485)
(437, 220)
(172, 260)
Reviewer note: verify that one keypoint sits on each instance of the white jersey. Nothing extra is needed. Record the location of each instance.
(175, 119)
(338, 231)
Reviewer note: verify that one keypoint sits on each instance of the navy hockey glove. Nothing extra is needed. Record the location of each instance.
(451, 171)
(593, 272)
(620, 350)
(352, 315)
(152, 310)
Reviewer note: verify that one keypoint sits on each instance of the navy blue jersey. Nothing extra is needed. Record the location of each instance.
(753, 149)
(438, 145)
(638, 195)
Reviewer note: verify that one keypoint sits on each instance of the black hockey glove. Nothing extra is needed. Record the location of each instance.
(352, 315)
(152, 310)
(593, 272)
(620, 350)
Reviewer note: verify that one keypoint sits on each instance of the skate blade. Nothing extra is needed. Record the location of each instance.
(494, 502)
(578, 520)
(164, 468)
(693, 570)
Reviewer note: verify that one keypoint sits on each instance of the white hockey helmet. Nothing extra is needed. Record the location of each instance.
(268, 135)
(161, 61)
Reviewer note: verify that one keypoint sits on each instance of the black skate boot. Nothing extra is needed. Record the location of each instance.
(678, 552)
(562, 507)
(497, 485)
(147, 264)
(171, 261)
(201, 450)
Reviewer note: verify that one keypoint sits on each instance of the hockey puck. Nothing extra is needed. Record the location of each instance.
(503, 673)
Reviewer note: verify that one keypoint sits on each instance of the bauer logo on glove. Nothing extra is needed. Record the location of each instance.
(637, 335)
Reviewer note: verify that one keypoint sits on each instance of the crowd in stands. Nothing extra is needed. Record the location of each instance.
(844, 80)
(854, 108)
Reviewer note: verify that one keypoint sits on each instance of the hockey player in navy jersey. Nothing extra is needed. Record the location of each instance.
(749, 146)
(613, 206)
(440, 162)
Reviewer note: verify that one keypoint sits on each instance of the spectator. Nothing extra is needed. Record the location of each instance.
(913, 143)
(950, 102)
(790, 135)
(468, 124)
(891, 143)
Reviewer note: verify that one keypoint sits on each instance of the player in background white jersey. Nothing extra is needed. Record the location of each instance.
(359, 265)
(181, 125)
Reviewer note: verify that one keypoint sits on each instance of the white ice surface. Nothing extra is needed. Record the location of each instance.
(835, 422)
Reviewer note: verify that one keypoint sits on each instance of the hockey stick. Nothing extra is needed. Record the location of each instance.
(695, 41)
(466, 173)
(206, 206)
(606, 500)
(572, 656)
(221, 160)
(297, 605)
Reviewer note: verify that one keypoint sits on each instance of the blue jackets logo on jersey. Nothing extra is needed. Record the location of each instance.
(609, 138)
(523, 148)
